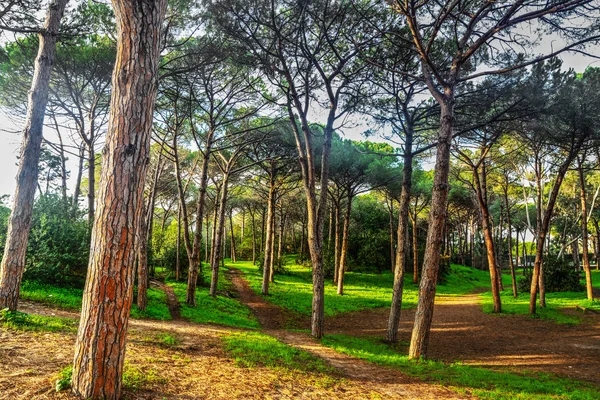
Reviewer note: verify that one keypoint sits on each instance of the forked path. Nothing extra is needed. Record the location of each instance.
(461, 331)
(389, 383)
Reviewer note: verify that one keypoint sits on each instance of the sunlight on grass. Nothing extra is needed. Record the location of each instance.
(481, 382)
(220, 310)
(30, 322)
(293, 290)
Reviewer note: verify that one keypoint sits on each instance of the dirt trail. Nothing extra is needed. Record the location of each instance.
(388, 382)
(172, 302)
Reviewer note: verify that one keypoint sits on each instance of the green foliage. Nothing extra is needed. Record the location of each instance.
(168, 339)
(559, 276)
(156, 308)
(483, 383)
(253, 349)
(27, 322)
(214, 310)
(58, 247)
(64, 379)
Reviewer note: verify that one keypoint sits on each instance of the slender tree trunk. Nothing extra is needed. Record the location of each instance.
(77, 192)
(91, 183)
(269, 234)
(281, 239)
(536, 276)
(272, 259)
(219, 237)
(233, 255)
(100, 346)
(437, 216)
(415, 249)
(392, 244)
(19, 222)
(584, 233)
(511, 264)
(178, 246)
(336, 251)
(402, 249)
(344, 252)
(253, 238)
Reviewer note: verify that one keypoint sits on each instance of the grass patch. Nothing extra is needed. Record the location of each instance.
(293, 290)
(554, 303)
(64, 379)
(220, 310)
(71, 298)
(481, 382)
(253, 349)
(168, 339)
(156, 308)
(136, 377)
(29, 322)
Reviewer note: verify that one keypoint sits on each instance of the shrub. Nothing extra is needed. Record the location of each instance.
(559, 276)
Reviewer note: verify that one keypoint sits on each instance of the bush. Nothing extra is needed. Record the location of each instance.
(559, 276)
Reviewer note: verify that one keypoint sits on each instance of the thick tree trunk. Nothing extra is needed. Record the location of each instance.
(100, 346)
(219, 237)
(437, 217)
(344, 251)
(584, 234)
(402, 243)
(19, 222)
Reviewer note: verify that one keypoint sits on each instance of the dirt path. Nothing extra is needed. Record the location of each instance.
(389, 383)
(461, 331)
(172, 302)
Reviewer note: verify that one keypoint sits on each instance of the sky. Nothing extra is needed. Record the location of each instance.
(10, 131)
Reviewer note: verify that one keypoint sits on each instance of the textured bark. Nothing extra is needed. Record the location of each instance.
(344, 251)
(437, 217)
(402, 249)
(415, 249)
(100, 346)
(269, 240)
(584, 233)
(218, 242)
(19, 222)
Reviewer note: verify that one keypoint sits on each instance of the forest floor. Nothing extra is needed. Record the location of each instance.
(183, 360)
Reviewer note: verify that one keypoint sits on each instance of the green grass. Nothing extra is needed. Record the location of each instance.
(253, 349)
(71, 298)
(481, 382)
(554, 302)
(29, 322)
(293, 290)
(220, 310)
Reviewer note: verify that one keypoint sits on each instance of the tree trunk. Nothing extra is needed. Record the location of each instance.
(511, 264)
(336, 250)
(91, 183)
(437, 216)
(392, 244)
(269, 235)
(488, 238)
(19, 222)
(78, 179)
(272, 258)
(219, 237)
(100, 346)
(178, 247)
(344, 252)
(253, 238)
(536, 277)
(415, 249)
(233, 255)
(402, 249)
(584, 233)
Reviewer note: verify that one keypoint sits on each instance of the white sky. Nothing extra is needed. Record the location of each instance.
(10, 137)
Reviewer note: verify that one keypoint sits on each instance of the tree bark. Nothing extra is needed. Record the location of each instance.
(415, 249)
(511, 264)
(336, 250)
(233, 255)
(19, 222)
(219, 237)
(100, 346)
(402, 249)
(584, 233)
(77, 192)
(269, 235)
(437, 217)
(344, 251)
